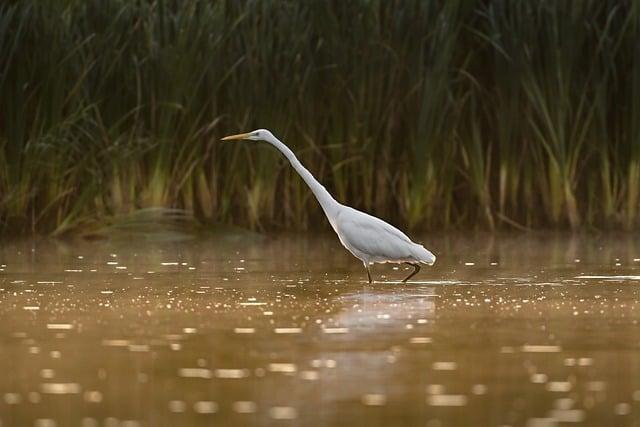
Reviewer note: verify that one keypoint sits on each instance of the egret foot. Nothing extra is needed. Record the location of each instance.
(416, 267)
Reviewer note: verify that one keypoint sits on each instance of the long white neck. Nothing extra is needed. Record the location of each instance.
(329, 205)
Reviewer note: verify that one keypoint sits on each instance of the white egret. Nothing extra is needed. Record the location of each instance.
(368, 238)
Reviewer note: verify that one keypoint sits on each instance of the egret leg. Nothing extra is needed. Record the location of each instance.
(368, 273)
(416, 267)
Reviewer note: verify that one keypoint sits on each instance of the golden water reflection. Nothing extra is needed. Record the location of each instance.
(530, 330)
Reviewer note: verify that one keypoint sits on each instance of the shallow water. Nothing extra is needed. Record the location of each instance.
(512, 330)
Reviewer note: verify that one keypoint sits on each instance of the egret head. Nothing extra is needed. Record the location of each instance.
(256, 135)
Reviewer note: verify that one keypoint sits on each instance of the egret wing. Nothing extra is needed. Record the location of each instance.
(373, 239)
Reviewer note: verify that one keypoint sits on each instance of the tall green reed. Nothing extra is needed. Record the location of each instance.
(430, 114)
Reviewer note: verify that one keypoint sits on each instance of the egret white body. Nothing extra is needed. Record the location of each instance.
(368, 238)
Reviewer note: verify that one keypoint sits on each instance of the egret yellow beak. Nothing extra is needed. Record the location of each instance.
(238, 136)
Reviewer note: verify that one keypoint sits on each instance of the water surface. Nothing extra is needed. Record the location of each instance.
(533, 330)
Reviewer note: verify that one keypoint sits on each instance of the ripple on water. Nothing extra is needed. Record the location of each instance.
(177, 406)
(585, 361)
(287, 368)
(622, 408)
(287, 330)
(205, 407)
(542, 422)
(195, 373)
(596, 386)
(313, 375)
(540, 348)
(335, 330)
(59, 326)
(420, 340)
(538, 378)
(283, 413)
(93, 396)
(567, 415)
(479, 389)
(444, 366)
(327, 363)
(374, 399)
(435, 389)
(47, 373)
(447, 400)
(231, 373)
(60, 388)
(12, 398)
(244, 407)
(89, 422)
(116, 343)
(138, 348)
(559, 386)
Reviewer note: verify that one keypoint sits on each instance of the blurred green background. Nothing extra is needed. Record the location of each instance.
(486, 114)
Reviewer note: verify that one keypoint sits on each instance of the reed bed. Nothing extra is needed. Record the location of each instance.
(432, 114)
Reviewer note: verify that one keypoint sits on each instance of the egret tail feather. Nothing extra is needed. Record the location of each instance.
(423, 255)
